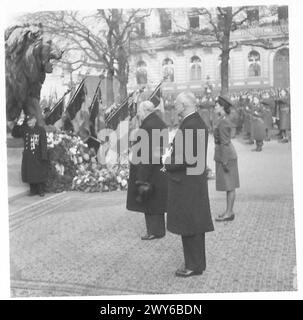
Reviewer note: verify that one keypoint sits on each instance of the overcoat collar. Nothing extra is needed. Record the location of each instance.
(188, 118)
(150, 116)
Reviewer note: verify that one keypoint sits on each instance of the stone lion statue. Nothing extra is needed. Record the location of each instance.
(28, 57)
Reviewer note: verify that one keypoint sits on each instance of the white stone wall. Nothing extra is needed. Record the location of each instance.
(210, 64)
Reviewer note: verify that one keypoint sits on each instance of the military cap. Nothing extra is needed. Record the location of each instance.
(30, 116)
(281, 101)
(224, 101)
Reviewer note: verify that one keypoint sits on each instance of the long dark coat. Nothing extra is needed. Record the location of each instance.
(188, 209)
(34, 166)
(205, 115)
(247, 119)
(268, 108)
(157, 204)
(257, 124)
(284, 114)
(267, 117)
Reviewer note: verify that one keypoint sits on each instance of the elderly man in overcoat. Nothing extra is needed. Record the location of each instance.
(188, 209)
(147, 185)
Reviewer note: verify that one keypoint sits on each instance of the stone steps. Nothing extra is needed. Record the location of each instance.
(21, 214)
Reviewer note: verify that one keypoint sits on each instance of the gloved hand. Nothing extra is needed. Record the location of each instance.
(225, 168)
(145, 190)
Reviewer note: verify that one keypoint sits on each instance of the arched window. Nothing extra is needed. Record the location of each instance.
(168, 69)
(195, 68)
(254, 64)
(141, 72)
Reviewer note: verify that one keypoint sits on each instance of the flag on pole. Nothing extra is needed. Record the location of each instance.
(94, 110)
(56, 113)
(155, 97)
(93, 142)
(75, 103)
(121, 113)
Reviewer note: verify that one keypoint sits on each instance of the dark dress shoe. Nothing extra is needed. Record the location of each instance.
(150, 237)
(185, 273)
(41, 194)
(225, 218)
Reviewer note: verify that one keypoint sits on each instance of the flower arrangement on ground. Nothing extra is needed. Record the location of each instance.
(73, 166)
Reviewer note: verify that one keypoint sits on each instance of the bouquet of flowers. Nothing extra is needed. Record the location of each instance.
(73, 166)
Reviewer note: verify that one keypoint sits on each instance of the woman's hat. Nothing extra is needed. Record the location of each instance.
(224, 101)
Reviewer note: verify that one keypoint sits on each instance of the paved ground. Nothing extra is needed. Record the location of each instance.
(89, 244)
(15, 184)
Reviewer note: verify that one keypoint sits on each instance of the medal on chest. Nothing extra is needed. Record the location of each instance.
(34, 141)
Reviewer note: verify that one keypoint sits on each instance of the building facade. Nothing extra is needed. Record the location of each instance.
(197, 66)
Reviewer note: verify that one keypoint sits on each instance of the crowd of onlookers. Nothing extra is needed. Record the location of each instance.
(244, 104)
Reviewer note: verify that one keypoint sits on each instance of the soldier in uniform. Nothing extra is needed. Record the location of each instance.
(227, 175)
(267, 117)
(284, 116)
(234, 119)
(258, 125)
(247, 111)
(147, 185)
(34, 166)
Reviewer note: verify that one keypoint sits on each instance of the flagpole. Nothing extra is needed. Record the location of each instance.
(157, 87)
(95, 95)
(75, 94)
(57, 104)
(119, 107)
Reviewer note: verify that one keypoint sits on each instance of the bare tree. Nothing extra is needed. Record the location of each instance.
(221, 23)
(102, 39)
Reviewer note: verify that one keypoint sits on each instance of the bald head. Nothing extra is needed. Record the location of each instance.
(145, 108)
(185, 103)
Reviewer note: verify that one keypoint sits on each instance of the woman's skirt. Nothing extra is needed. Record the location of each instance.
(227, 181)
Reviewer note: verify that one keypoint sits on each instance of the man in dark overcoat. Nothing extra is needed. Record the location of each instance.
(188, 209)
(147, 185)
(258, 129)
(267, 117)
(284, 116)
(34, 166)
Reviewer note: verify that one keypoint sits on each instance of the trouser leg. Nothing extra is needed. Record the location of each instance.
(194, 252)
(33, 188)
(267, 134)
(250, 139)
(155, 224)
(259, 144)
(40, 187)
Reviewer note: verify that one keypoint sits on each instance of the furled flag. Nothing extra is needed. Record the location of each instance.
(75, 103)
(155, 97)
(94, 110)
(56, 112)
(119, 114)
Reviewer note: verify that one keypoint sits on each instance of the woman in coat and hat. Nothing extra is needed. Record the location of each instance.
(227, 175)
